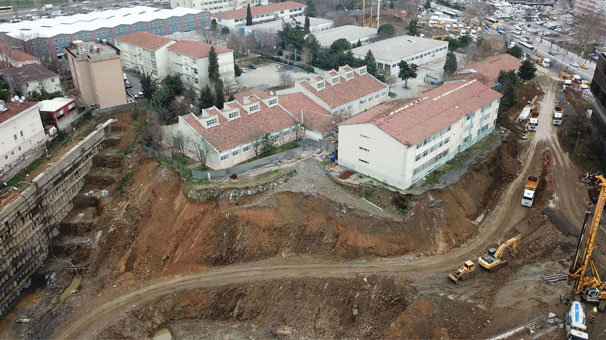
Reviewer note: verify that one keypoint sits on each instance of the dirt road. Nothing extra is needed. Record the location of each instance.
(507, 213)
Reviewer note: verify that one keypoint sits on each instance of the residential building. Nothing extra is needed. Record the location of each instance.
(13, 56)
(274, 27)
(145, 52)
(345, 92)
(216, 6)
(598, 89)
(48, 38)
(97, 73)
(224, 138)
(21, 137)
(30, 78)
(389, 52)
(400, 142)
(189, 59)
(58, 112)
(487, 70)
(317, 122)
(589, 7)
(269, 12)
(351, 33)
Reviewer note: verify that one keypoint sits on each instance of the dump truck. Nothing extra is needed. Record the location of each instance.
(533, 120)
(464, 272)
(545, 62)
(558, 113)
(492, 260)
(529, 189)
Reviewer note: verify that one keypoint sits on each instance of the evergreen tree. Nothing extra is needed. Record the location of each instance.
(450, 66)
(515, 51)
(359, 43)
(307, 24)
(464, 40)
(225, 30)
(386, 31)
(161, 97)
(219, 94)
(174, 85)
(527, 70)
(237, 70)
(148, 85)
(347, 58)
(509, 96)
(213, 66)
(206, 98)
(427, 4)
(413, 27)
(311, 8)
(249, 18)
(407, 71)
(371, 63)
(508, 77)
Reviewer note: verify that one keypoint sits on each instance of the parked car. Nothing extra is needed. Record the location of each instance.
(585, 66)
(139, 95)
(573, 64)
(252, 66)
(243, 70)
(127, 84)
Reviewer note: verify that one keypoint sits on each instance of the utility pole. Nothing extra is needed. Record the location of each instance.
(370, 18)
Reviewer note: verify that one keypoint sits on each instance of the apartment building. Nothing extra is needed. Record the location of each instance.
(345, 92)
(30, 78)
(13, 56)
(216, 6)
(189, 59)
(146, 53)
(271, 11)
(97, 73)
(589, 7)
(58, 112)
(400, 142)
(389, 52)
(21, 137)
(48, 38)
(223, 138)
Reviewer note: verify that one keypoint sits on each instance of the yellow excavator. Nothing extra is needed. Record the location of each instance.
(589, 285)
(492, 260)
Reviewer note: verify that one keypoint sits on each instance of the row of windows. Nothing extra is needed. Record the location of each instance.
(430, 162)
(432, 149)
(433, 137)
(12, 154)
(248, 147)
(363, 149)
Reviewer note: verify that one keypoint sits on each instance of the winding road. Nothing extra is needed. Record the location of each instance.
(101, 312)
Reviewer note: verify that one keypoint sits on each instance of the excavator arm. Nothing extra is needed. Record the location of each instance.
(511, 242)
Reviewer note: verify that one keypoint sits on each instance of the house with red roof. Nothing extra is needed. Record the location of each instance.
(145, 52)
(344, 92)
(316, 121)
(269, 12)
(189, 59)
(402, 141)
(15, 57)
(221, 138)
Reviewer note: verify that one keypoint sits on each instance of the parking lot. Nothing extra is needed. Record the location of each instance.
(135, 83)
(268, 76)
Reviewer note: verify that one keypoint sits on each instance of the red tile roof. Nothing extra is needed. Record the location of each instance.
(229, 134)
(346, 91)
(434, 111)
(15, 53)
(310, 114)
(252, 92)
(146, 40)
(195, 49)
(271, 7)
(489, 68)
(14, 109)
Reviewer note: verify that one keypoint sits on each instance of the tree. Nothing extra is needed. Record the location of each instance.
(311, 8)
(427, 4)
(267, 144)
(174, 85)
(527, 70)
(450, 66)
(219, 94)
(386, 31)
(213, 24)
(464, 40)
(371, 63)
(453, 43)
(213, 66)
(407, 71)
(42, 95)
(148, 85)
(285, 77)
(509, 96)
(339, 46)
(508, 77)
(515, 51)
(4, 92)
(206, 98)
(249, 18)
(307, 24)
(225, 30)
(413, 27)
(237, 70)
(161, 97)
(359, 43)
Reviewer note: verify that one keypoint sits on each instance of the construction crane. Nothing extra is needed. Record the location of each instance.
(492, 260)
(589, 285)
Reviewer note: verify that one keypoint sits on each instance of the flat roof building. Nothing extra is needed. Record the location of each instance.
(351, 33)
(216, 6)
(58, 112)
(316, 25)
(47, 38)
(389, 52)
(271, 11)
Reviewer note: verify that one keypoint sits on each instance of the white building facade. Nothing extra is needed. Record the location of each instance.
(146, 53)
(31, 78)
(22, 137)
(269, 12)
(216, 6)
(399, 145)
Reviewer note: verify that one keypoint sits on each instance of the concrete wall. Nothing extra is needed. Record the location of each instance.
(108, 82)
(28, 221)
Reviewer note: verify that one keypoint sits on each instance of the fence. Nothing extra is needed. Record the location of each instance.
(324, 145)
(115, 108)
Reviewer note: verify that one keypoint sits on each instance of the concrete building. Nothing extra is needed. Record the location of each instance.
(97, 73)
(316, 25)
(145, 52)
(269, 12)
(345, 92)
(216, 6)
(58, 112)
(21, 137)
(223, 138)
(189, 59)
(589, 7)
(47, 38)
(352, 33)
(487, 70)
(390, 52)
(13, 56)
(30, 78)
(400, 142)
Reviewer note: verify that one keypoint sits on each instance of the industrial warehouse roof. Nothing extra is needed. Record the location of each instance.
(146, 40)
(395, 49)
(349, 32)
(89, 22)
(411, 121)
(257, 10)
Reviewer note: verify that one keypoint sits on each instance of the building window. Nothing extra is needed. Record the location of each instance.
(253, 108)
(246, 148)
(52, 80)
(21, 133)
(320, 85)
(364, 149)
(15, 136)
(224, 156)
(363, 136)
(363, 161)
(273, 102)
(19, 148)
(235, 152)
(211, 122)
(233, 115)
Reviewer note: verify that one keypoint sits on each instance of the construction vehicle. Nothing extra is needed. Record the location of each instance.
(492, 260)
(533, 120)
(464, 272)
(529, 189)
(558, 113)
(588, 284)
(575, 322)
(545, 62)
(440, 37)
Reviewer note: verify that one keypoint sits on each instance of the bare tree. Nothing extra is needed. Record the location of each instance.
(200, 146)
(285, 77)
(590, 29)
